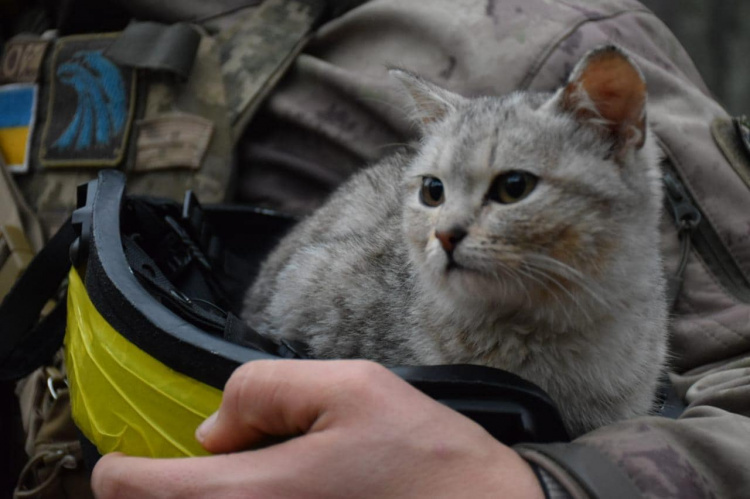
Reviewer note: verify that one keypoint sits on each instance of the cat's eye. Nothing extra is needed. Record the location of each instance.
(512, 187)
(431, 193)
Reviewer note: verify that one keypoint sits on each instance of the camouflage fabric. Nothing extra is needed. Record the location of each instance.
(178, 135)
(258, 48)
(20, 232)
(202, 95)
(338, 110)
(50, 190)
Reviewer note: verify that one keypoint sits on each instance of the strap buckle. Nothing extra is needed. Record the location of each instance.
(197, 242)
(55, 381)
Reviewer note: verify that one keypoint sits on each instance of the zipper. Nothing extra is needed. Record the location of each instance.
(696, 231)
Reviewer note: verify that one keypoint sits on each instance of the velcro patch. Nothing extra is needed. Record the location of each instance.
(22, 60)
(17, 114)
(91, 105)
(175, 140)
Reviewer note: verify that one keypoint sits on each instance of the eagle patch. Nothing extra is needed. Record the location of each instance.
(91, 105)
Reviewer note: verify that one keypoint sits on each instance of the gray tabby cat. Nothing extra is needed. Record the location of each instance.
(521, 235)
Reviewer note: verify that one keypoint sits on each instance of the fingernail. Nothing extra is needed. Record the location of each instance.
(205, 427)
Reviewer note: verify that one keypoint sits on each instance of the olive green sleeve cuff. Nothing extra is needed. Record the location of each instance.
(580, 470)
(550, 486)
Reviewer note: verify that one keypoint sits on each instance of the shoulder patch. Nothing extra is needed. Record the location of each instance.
(17, 116)
(91, 105)
(22, 60)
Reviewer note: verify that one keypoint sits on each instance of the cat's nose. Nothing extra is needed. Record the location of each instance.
(449, 239)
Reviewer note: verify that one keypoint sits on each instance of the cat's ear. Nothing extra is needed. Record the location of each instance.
(431, 103)
(608, 92)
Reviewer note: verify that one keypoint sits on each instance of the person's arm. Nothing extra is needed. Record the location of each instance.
(352, 429)
(704, 453)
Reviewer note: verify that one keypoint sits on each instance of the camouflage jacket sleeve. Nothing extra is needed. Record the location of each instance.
(337, 110)
(703, 454)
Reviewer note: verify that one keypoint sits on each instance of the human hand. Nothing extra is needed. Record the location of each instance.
(354, 428)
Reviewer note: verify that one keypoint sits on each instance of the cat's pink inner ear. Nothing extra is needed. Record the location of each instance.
(608, 91)
(430, 102)
(428, 109)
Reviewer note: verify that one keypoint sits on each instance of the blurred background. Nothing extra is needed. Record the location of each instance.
(711, 30)
(717, 36)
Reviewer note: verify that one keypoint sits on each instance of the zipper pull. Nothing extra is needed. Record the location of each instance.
(687, 217)
(685, 213)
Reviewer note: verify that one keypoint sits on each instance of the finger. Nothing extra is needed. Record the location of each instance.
(282, 398)
(290, 469)
(117, 476)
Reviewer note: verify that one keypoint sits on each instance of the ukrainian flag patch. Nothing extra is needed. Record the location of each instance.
(17, 112)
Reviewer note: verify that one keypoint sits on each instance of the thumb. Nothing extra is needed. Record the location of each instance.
(277, 398)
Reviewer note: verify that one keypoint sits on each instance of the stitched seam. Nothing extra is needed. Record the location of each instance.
(732, 152)
(691, 308)
(721, 326)
(545, 54)
(699, 258)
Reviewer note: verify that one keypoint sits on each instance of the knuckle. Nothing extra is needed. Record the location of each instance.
(369, 370)
(240, 379)
(364, 376)
(108, 481)
(246, 370)
(250, 383)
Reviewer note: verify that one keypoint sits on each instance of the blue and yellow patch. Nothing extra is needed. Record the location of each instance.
(91, 105)
(17, 111)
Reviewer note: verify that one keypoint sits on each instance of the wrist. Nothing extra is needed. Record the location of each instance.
(521, 474)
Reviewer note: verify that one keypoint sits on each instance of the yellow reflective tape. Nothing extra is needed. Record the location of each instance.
(123, 399)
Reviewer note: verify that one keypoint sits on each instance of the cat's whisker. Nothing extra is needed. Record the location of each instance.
(398, 144)
(549, 276)
(530, 275)
(531, 272)
(549, 273)
(562, 268)
(515, 275)
(565, 271)
(544, 285)
(385, 103)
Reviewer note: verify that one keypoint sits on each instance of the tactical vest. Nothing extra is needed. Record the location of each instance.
(163, 103)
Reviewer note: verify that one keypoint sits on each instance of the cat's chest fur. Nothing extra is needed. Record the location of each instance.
(600, 377)
(521, 235)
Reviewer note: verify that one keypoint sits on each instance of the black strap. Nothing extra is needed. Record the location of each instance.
(211, 319)
(164, 237)
(160, 47)
(23, 339)
(38, 347)
(148, 271)
(239, 332)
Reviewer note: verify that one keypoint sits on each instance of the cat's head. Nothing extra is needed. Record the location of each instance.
(532, 197)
